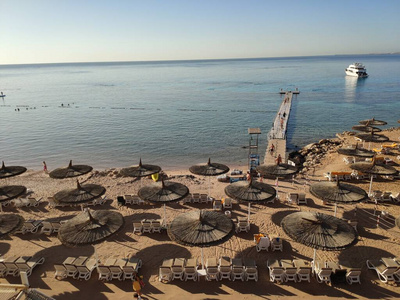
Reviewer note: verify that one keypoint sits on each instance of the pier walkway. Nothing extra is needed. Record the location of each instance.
(277, 135)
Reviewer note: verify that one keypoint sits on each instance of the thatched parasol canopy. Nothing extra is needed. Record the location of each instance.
(90, 227)
(356, 152)
(82, 194)
(10, 223)
(201, 228)
(372, 122)
(279, 170)
(70, 171)
(338, 192)
(252, 191)
(9, 192)
(141, 170)
(366, 128)
(319, 231)
(373, 168)
(373, 138)
(163, 192)
(209, 169)
(398, 219)
(10, 171)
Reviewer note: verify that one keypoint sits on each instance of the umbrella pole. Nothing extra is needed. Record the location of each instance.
(315, 256)
(209, 186)
(202, 259)
(370, 186)
(248, 215)
(335, 208)
(165, 214)
(277, 187)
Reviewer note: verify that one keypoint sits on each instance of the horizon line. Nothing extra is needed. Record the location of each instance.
(191, 60)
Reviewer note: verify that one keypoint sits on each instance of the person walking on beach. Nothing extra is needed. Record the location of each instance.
(271, 149)
(44, 167)
(279, 159)
(137, 287)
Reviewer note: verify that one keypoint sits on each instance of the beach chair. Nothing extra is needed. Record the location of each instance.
(165, 273)
(137, 227)
(30, 227)
(377, 196)
(322, 273)
(196, 197)
(302, 199)
(386, 197)
(128, 272)
(33, 202)
(61, 271)
(3, 269)
(56, 226)
(217, 205)
(225, 268)
(128, 199)
(304, 274)
(237, 269)
(72, 271)
(11, 269)
(353, 223)
(250, 269)
(203, 198)
(353, 276)
(263, 244)
(47, 228)
(178, 268)
(291, 274)
(212, 269)
(85, 272)
(242, 225)
(190, 270)
(29, 265)
(292, 197)
(277, 274)
(116, 272)
(385, 274)
(147, 226)
(227, 203)
(276, 244)
(395, 197)
(348, 160)
(156, 226)
(104, 273)
(187, 199)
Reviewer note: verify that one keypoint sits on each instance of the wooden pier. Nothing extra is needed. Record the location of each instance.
(277, 135)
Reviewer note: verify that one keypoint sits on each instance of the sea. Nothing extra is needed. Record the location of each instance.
(179, 113)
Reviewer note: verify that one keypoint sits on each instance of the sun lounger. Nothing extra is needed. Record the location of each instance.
(227, 203)
(212, 269)
(190, 269)
(165, 274)
(28, 265)
(3, 269)
(250, 269)
(237, 269)
(352, 274)
(386, 197)
(31, 226)
(395, 197)
(85, 271)
(116, 272)
(292, 198)
(156, 226)
(217, 205)
(137, 227)
(322, 273)
(203, 198)
(187, 199)
(196, 197)
(225, 268)
(11, 267)
(303, 270)
(302, 199)
(129, 199)
(178, 268)
(61, 271)
(242, 225)
(276, 272)
(263, 244)
(276, 244)
(146, 226)
(104, 273)
(385, 273)
(33, 202)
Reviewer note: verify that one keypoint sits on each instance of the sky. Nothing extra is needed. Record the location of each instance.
(52, 31)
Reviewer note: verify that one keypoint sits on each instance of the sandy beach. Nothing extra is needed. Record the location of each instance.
(374, 242)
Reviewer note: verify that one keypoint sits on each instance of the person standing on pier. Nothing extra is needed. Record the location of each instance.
(279, 160)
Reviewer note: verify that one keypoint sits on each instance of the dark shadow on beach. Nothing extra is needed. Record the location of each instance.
(4, 248)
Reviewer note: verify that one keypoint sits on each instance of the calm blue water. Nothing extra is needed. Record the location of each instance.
(176, 114)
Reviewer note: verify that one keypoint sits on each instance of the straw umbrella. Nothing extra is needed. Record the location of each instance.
(361, 152)
(209, 169)
(10, 171)
(278, 170)
(251, 192)
(373, 169)
(10, 223)
(140, 170)
(70, 171)
(163, 192)
(319, 231)
(338, 192)
(373, 122)
(366, 128)
(80, 195)
(201, 228)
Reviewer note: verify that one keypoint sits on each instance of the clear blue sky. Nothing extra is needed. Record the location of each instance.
(47, 31)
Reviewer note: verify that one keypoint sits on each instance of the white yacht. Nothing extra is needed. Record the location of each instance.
(356, 70)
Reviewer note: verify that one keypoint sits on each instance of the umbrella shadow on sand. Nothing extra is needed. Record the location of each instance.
(367, 218)
(4, 248)
(277, 217)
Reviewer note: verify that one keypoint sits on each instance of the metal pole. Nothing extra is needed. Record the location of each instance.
(165, 214)
(335, 208)
(248, 215)
(370, 186)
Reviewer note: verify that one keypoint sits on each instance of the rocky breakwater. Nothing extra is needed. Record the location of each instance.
(310, 156)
